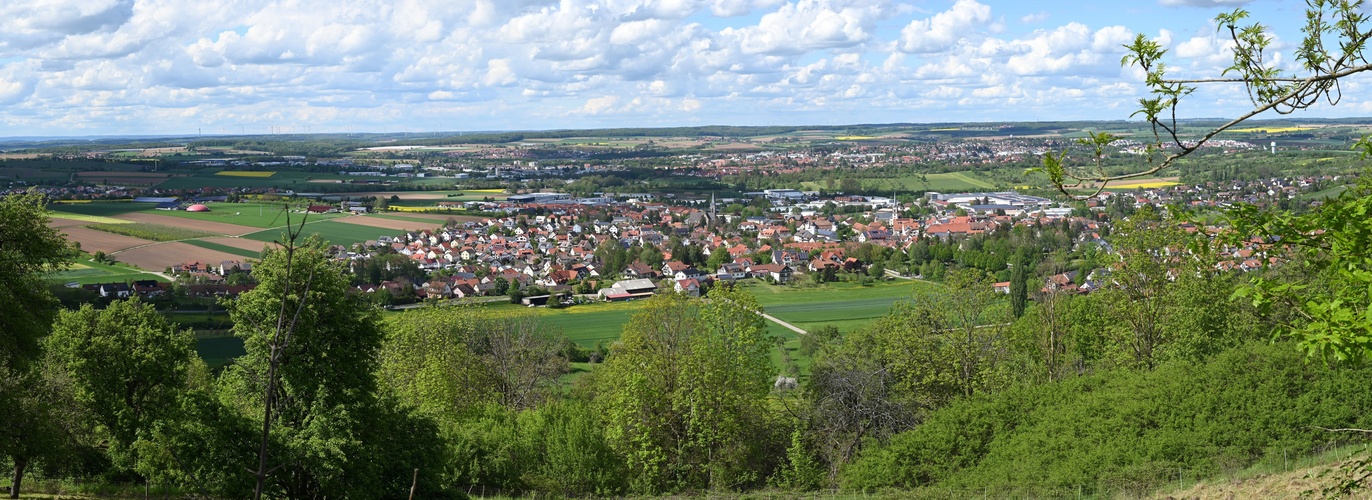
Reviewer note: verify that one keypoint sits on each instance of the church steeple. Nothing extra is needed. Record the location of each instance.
(713, 214)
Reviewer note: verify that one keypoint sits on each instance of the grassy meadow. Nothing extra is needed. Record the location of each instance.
(85, 271)
(338, 233)
(263, 215)
(224, 248)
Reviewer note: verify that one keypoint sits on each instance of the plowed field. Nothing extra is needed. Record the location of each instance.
(99, 241)
(435, 217)
(60, 222)
(390, 223)
(158, 257)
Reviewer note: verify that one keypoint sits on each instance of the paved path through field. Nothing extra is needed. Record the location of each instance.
(782, 323)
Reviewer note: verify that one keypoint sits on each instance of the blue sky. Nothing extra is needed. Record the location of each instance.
(90, 67)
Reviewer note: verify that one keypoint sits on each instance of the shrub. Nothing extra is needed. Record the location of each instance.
(1245, 405)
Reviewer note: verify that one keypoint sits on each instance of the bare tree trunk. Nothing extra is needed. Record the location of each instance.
(19, 465)
(266, 425)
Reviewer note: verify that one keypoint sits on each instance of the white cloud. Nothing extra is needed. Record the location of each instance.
(945, 28)
(808, 25)
(599, 105)
(138, 65)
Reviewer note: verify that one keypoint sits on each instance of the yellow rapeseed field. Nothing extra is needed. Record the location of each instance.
(1144, 185)
(241, 173)
(414, 209)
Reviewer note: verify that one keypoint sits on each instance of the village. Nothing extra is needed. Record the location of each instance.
(556, 249)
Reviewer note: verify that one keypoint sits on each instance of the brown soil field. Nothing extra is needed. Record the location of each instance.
(93, 241)
(681, 144)
(60, 222)
(161, 151)
(168, 220)
(244, 243)
(19, 156)
(440, 217)
(158, 257)
(389, 223)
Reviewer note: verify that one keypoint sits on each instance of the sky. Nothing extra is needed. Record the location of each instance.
(212, 67)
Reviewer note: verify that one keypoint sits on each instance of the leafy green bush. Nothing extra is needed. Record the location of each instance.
(559, 448)
(1126, 431)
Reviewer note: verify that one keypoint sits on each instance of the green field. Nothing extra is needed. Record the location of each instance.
(86, 272)
(1330, 193)
(224, 248)
(263, 215)
(338, 233)
(102, 209)
(588, 324)
(944, 182)
(845, 305)
(594, 323)
(298, 181)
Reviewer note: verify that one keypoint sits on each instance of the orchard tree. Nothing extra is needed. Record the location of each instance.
(127, 367)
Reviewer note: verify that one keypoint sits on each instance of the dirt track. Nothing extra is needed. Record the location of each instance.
(100, 241)
(168, 220)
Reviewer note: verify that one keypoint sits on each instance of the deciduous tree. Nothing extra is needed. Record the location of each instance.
(684, 392)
